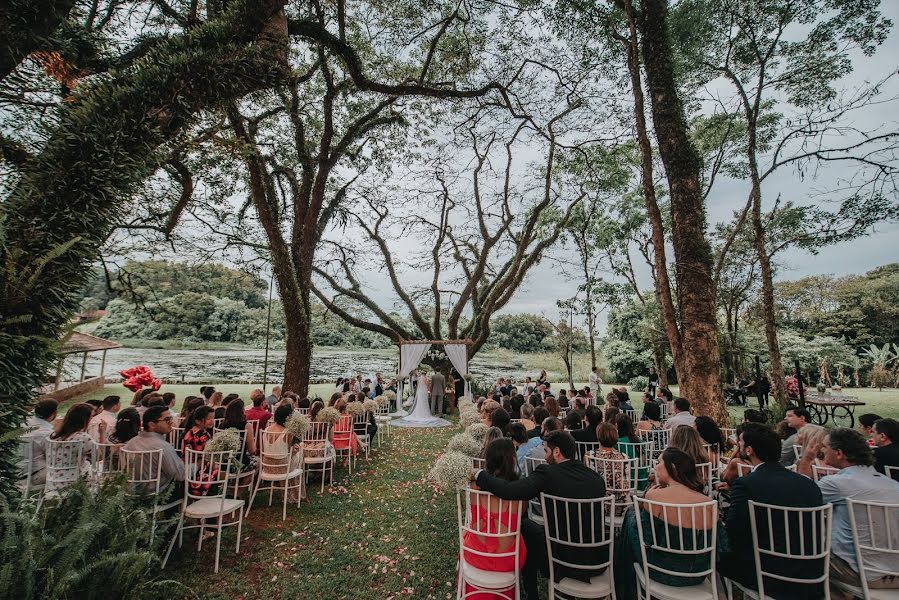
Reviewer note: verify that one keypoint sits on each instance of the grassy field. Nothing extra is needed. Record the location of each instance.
(382, 532)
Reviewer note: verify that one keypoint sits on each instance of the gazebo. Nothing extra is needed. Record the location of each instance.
(82, 343)
(413, 351)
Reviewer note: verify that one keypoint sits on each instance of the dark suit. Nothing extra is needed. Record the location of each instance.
(770, 483)
(587, 434)
(569, 479)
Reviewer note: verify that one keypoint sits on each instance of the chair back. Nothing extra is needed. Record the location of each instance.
(743, 469)
(302, 411)
(728, 432)
(360, 424)
(892, 472)
(635, 418)
(620, 475)
(107, 460)
(176, 438)
(206, 474)
(875, 533)
(143, 468)
(585, 449)
(579, 532)
(819, 471)
(657, 439)
(489, 517)
(791, 545)
(257, 432)
(530, 465)
(707, 475)
(276, 452)
(797, 452)
(689, 530)
(64, 462)
(314, 442)
(216, 423)
(26, 460)
(642, 452)
(478, 463)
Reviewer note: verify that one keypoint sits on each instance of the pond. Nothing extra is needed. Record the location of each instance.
(191, 366)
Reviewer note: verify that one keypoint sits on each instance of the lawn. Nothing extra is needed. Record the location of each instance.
(381, 533)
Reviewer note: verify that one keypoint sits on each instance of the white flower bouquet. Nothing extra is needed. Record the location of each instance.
(478, 431)
(328, 414)
(356, 409)
(370, 406)
(390, 394)
(382, 400)
(451, 471)
(467, 419)
(227, 440)
(464, 444)
(297, 425)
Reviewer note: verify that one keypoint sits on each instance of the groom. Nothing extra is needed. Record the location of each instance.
(438, 383)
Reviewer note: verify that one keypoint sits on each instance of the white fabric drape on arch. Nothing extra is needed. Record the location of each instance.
(458, 356)
(410, 357)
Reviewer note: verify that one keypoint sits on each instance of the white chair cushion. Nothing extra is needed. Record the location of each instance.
(660, 591)
(599, 586)
(280, 476)
(211, 507)
(492, 580)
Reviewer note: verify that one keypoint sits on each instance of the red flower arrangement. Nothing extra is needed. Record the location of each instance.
(139, 377)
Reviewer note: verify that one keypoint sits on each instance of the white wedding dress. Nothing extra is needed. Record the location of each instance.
(421, 413)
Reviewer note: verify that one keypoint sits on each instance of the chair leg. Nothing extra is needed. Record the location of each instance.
(239, 529)
(284, 509)
(178, 534)
(253, 495)
(218, 544)
(202, 531)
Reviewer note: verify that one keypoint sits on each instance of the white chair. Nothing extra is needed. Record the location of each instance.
(360, 428)
(819, 471)
(621, 477)
(707, 475)
(788, 537)
(65, 463)
(585, 449)
(203, 473)
(698, 538)
(729, 433)
(276, 467)
(535, 513)
(743, 469)
(635, 418)
(478, 463)
(106, 461)
(383, 418)
(176, 438)
(797, 452)
(640, 451)
(26, 461)
(477, 520)
(875, 534)
(240, 477)
(318, 454)
(143, 468)
(658, 440)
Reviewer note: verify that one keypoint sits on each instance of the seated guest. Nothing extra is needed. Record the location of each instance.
(259, 411)
(499, 457)
(847, 450)
(572, 422)
(191, 403)
(616, 474)
(681, 415)
(105, 420)
(157, 425)
(580, 406)
(40, 425)
(487, 411)
(648, 399)
(627, 436)
(708, 430)
(886, 449)
(526, 416)
(549, 425)
(316, 408)
(551, 406)
(588, 434)
(688, 440)
(664, 395)
(493, 433)
(810, 438)
(127, 426)
(677, 482)
(236, 418)
(74, 429)
(866, 426)
(562, 476)
(612, 400)
(304, 403)
(769, 482)
(652, 417)
(500, 419)
(517, 402)
(540, 415)
(535, 400)
(611, 415)
(344, 437)
(198, 428)
(563, 399)
(169, 400)
(624, 399)
(285, 446)
(523, 444)
(796, 419)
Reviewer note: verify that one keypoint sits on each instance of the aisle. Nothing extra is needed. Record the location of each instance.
(378, 534)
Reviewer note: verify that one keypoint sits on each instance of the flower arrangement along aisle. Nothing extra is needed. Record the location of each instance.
(139, 377)
(451, 471)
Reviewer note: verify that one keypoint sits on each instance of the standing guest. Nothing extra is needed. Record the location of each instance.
(74, 429)
(769, 483)
(259, 412)
(796, 419)
(272, 399)
(157, 423)
(652, 417)
(886, 440)
(847, 450)
(595, 380)
(102, 424)
(40, 426)
(561, 476)
(681, 415)
(653, 381)
(866, 426)
(127, 426)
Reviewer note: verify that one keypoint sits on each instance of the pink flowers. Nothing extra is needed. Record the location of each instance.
(139, 377)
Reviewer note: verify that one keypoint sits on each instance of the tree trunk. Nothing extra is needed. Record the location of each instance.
(298, 362)
(661, 280)
(592, 335)
(701, 379)
(658, 358)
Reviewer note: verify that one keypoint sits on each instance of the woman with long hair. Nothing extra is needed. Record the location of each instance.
(127, 426)
(500, 461)
(344, 437)
(500, 419)
(74, 429)
(710, 434)
(552, 406)
(283, 445)
(191, 403)
(316, 408)
(652, 417)
(236, 418)
(687, 439)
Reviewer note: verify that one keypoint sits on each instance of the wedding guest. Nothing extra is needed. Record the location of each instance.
(886, 440)
(40, 426)
(487, 411)
(588, 433)
(526, 416)
(540, 415)
(236, 418)
(711, 434)
(618, 473)
(624, 399)
(551, 406)
(562, 476)
(535, 400)
(168, 399)
(549, 425)
(516, 403)
(74, 429)
(796, 419)
(127, 426)
(493, 433)
(284, 445)
(523, 444)
(500, 419)
(500, 462)
(866, 426)
(611, 415)
(627, 437)
(612, 400)
(207, 392)
(259, 413)
(102, 424)
(572, 422)
(316, 408)
(681, 415)
(191, 403)
(687, 439)
(344, 437)
(652, 417)
(198, 428)
(563, 399)
(157, 422)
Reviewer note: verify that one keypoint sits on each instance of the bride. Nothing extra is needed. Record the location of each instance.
(421, 413)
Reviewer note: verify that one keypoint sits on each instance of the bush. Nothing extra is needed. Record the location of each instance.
(80, 545)
(638, 383)
(625, 360)
(880, 377)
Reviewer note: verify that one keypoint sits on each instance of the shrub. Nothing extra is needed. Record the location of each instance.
(638, 383)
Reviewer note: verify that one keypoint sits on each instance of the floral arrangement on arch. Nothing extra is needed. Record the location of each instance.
(139, 377)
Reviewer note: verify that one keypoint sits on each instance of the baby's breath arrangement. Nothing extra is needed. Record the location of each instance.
(297, 425)
(382, 400)
(451, 471)
(328, 414)
(478, 431)
(355, 408)
(467, 419)
(370, 406)
(390, 395)
(464, 444)
(227, 440)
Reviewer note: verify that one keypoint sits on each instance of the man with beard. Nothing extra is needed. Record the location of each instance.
(561, 476)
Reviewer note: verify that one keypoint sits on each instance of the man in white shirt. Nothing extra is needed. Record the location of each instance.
(40, 424)
(103, 424)
(848, 451)
(797, 418)
(681, 415)
(595, 381)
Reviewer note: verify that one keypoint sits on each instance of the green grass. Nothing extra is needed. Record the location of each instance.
(382, 532)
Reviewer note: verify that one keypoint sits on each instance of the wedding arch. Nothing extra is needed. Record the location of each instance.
(413, 351)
